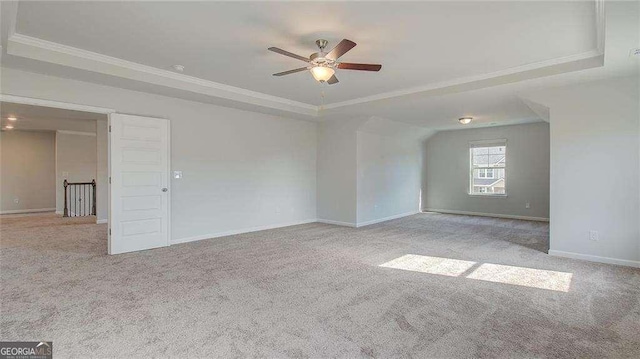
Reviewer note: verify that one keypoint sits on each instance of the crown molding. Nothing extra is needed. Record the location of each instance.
(43, 50)
(47, 51)
(498, 77)
(536, 69)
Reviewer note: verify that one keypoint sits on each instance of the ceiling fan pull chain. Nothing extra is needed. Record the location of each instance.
(321, 98)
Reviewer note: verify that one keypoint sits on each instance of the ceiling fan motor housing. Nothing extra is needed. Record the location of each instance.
(319, 59)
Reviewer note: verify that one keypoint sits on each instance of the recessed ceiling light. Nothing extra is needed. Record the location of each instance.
(465, 120)
(178, 68)
(12, 118)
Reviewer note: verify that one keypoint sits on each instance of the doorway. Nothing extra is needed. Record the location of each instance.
(86, 159)
(42, 149)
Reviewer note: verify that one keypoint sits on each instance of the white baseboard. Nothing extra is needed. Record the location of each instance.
(37, 210)
(591, 258)
(101, 221)
(367, 223)
(59, 212)
(494, 215)
(337, 223)
(238, 231)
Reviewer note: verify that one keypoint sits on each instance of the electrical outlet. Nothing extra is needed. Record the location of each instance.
(593, 235)
(177, 174)
(527, 205)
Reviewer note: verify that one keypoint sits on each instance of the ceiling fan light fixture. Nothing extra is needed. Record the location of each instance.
(465, 120)
(323, 65)
(322, 73)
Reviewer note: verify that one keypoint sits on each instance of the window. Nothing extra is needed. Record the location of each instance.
(487, 167)
(485, 173)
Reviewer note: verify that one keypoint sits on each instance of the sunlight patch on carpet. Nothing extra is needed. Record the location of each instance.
(528, 277)
(431, 265)
(496, 273)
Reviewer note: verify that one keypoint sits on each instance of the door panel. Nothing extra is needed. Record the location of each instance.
(139, 197)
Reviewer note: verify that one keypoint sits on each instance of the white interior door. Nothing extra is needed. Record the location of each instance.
(139, 189)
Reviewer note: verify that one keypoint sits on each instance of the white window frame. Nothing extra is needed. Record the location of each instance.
(486, 143)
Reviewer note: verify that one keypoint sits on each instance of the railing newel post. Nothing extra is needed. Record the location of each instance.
(93, 209)
(66, 209)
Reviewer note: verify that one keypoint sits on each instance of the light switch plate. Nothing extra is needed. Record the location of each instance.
(177, 174)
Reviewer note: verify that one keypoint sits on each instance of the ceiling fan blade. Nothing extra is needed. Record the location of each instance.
(332, 80)
(287, 53)
(362, 67)
(290, 71)
(340, 49)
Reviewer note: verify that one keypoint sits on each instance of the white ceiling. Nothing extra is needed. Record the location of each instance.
(37, 118)
(441, 60)
(418, 43)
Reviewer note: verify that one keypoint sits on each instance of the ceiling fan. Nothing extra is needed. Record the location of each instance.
(323, 65)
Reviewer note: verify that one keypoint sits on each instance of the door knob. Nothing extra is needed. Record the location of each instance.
(165, 189)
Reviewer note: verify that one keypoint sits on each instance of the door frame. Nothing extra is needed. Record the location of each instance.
(55, 104)
(101, 110)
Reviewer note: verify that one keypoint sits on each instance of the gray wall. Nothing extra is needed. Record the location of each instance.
(336, 190)
(76, 161)
(446, 167)
(595, 172)
(27, 173)
(241, 170)
(388, 177)
(369, 170)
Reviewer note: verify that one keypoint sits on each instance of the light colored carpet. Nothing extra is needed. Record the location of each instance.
(429, 285)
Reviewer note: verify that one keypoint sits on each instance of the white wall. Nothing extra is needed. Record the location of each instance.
(27, 171)
(242, 170)
(389, 177)
(369, 170)
(527, 172)
(76, 161)
(595, 169)
(337, 184)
